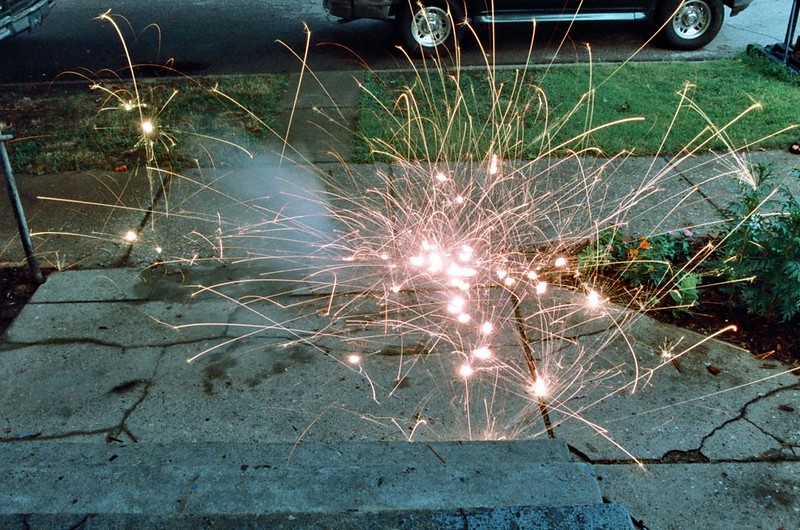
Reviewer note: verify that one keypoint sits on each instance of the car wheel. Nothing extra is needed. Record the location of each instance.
(430, 27)
(689, 24)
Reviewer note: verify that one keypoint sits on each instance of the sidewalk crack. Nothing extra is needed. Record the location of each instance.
(743, 413)
(122, 427)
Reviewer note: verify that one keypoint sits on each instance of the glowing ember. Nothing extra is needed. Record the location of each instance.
(148, 127)
(540, 388)
(483, 353)
(593, 299)
(456, 304)
(466, 371)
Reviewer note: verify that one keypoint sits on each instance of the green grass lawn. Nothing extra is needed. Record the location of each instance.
(643, 108)
(77, 126)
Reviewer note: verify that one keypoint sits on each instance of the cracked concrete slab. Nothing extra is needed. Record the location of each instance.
(740, 440)
(767, 428)
(73, 391)
(276, 390)
(649, 388)
(677, 403)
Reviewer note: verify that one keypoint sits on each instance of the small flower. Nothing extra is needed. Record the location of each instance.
(645, 244)
(687, 232)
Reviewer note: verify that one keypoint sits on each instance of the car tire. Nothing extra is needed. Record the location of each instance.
(430, 27)
(689, 24)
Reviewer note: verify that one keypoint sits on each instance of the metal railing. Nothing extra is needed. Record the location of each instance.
(19, 214)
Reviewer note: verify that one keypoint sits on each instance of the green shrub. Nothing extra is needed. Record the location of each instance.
(760, 252)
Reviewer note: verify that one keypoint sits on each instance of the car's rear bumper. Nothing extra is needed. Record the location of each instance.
(352, 9)
(25, 19)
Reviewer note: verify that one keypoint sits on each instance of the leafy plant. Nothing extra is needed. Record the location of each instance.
(684, 291)
(603, 252)
(656, 262)
(760, 251)
(653, 260)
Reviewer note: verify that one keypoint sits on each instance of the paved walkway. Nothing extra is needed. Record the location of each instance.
(99, 356)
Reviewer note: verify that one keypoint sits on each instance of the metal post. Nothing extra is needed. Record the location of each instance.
(790, 32)
(784, 52)
(19, 214)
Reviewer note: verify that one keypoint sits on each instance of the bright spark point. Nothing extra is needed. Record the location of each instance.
(460, 284)
(541, 287)
(561, 262)
(441, 177)
(532, 275)
(540, 388)
(509, 281)
(131, 236)
(502, 273)
(459, 200)
(417, 261)
(395, 289)
(593, 299)
(464, 318)
(465, 371)
(148, 127)
(493, 165)
(487, 328)
(436, 263)
(482, 353)
(158, 250)
(354, 359)
(384, 257)
(456, 304)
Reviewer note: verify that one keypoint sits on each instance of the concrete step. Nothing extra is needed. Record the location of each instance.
(377, 484)
(591, 517)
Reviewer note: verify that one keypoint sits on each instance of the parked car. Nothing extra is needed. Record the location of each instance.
(17, 16)
(432, 25)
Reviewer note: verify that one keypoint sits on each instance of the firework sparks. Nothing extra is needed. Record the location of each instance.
(463, 266)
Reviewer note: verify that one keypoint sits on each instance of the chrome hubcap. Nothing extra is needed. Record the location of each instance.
(431, 27)
(692, 19)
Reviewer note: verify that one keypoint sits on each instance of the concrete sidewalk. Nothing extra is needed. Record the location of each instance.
(95, 367)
